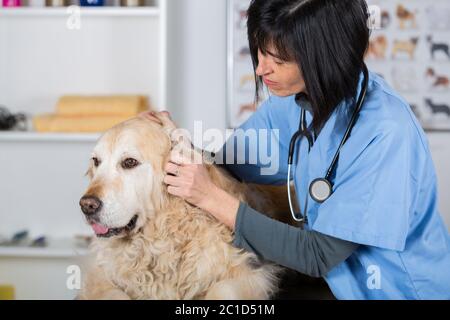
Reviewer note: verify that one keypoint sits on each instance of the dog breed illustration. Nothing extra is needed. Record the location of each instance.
(385, 19)
(437, 81)
(407, 46)
(377, 48)
(438, 47)
(437, 108)
(406, 17)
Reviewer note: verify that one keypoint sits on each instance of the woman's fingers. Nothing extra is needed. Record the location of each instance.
(166, 113)
(163, 117)
(151, 115)
(175, 191)
(172, 181)
(181, 155)
(172, 168)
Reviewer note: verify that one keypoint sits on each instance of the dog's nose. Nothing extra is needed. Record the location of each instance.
(90, 205)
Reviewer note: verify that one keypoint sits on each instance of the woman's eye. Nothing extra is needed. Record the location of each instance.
(130, 163)
(96, 162)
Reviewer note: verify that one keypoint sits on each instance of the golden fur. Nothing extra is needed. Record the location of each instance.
(179, 251)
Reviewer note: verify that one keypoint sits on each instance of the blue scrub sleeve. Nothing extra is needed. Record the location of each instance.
(308, 252)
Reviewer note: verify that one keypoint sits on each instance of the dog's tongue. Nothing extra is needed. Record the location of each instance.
(99, 229)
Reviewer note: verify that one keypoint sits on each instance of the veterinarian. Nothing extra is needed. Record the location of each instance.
(378, 233)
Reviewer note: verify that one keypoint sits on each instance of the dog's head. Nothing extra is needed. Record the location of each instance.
(126, 173)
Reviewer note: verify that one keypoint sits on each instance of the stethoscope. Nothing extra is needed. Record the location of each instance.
(321, 189)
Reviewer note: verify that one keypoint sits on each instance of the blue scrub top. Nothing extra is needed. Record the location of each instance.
(384, 194)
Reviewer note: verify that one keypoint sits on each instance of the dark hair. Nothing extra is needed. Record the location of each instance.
(326, 38)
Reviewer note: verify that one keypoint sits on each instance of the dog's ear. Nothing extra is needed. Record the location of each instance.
(168, 125)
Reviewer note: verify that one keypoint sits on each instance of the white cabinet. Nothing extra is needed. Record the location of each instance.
(115, 51)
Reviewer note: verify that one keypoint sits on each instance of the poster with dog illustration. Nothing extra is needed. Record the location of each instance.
(411, 50)
(241, 80)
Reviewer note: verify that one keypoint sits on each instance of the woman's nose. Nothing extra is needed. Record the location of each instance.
(263, 68)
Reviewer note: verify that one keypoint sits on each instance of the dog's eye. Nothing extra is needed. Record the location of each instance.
(96, 161)
(130, 163)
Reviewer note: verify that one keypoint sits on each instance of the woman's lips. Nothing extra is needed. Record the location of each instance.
(268, 82)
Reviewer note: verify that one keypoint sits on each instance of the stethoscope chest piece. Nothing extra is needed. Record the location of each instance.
(320, 190)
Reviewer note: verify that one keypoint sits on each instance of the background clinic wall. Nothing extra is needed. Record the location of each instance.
(196, 75)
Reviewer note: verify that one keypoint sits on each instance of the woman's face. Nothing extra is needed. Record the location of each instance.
(282, 78)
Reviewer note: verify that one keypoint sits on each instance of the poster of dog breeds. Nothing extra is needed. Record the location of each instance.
(410, 49)
(240, 78)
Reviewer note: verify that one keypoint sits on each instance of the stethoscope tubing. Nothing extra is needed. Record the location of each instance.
(302, 133)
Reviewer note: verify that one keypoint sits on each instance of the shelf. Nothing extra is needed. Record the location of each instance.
(62, 248)
(47, 137)
(85, 11)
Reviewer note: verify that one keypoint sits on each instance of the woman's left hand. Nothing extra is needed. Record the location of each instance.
(193, 183)
(189, 181)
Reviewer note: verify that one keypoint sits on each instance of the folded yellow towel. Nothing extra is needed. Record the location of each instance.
(7, 292)
(72, 124)
(119, 105)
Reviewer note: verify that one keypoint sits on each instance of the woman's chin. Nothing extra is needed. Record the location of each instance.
(281, 93)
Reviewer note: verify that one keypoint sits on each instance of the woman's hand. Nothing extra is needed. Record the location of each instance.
(189, 181)
(155, 116)
(193, 183)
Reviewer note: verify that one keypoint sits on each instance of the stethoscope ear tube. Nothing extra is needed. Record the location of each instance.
(352, 122)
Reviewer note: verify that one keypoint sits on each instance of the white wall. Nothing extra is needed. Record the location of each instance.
(196, 74)
(440, 148)
(103, 57)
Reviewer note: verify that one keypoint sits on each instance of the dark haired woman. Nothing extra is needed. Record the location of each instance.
(378, 235)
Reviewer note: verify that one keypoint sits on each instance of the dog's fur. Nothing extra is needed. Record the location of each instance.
(176, 250)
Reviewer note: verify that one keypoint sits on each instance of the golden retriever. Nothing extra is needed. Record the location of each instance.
(151, 245)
